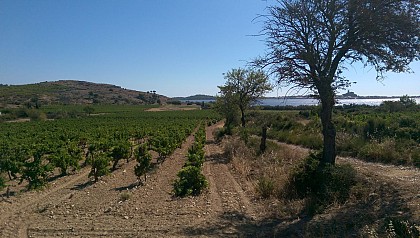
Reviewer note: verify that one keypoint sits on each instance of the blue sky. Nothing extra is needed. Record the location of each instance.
(176, 47)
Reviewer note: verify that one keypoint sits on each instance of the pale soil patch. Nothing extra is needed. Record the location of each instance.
(20, 120)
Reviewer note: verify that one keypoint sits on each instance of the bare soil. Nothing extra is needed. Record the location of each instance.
(117, 206)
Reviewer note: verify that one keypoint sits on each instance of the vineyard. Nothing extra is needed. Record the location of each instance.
(35, 152)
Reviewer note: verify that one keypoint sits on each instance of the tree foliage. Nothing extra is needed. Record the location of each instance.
(309, 42)
(242, 88)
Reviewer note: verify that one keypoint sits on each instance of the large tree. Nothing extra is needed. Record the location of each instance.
(243, 87)
(310, 41)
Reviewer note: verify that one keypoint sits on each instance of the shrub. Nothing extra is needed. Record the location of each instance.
(190, 182)
(36, 115)
(265, 187)
(196, 160)
(384, 152)
(143, 158)
(99, 163)
(321, 185)
(349, 145)
(310, 140)
(415, 157)
(396, 227)
(2, 183)
(125, 196)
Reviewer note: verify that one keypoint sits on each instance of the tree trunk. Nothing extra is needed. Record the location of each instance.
(328, 128)
(242, 116)
(263, 139)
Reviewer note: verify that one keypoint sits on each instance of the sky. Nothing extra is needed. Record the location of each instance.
(176, 47)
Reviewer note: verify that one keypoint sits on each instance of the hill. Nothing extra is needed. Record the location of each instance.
(195, 97)
(74, 92)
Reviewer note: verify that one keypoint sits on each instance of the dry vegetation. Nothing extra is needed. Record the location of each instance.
(384, 201)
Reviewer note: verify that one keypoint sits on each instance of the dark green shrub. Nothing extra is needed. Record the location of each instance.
(2, 183)
(190, 182)
(196, 160)
(384, 152)
(349, 145)
(143, 158)
(415, 157)
(309, 140)
(321, 185)
(36, 172)
(120, 151)
(99, 163)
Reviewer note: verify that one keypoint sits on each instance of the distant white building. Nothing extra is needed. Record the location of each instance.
(350, 94)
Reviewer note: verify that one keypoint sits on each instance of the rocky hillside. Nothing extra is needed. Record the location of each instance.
(74, 92)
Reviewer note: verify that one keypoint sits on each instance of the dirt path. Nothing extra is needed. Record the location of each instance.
(72, 207)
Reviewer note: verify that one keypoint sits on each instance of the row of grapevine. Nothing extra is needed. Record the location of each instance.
(34, 151)
(190, 179)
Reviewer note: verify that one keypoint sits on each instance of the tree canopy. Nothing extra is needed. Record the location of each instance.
(309, 42)
(243, 87)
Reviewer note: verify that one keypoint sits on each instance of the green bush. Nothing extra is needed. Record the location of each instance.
(143, 158)
(322, 185)
(265, 187)
(99, 163)
(2, 183)
(312, 141)
(385, 152)
(415, 157)
(348, 144)
(190, 182)
(124, 196)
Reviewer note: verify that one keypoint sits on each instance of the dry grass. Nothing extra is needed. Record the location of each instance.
(364, 214)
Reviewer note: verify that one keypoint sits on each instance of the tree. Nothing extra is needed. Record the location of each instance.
(243, 87)
(226, 105)
(310, 40)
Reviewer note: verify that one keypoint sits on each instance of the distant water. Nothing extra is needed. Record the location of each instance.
(310, 102)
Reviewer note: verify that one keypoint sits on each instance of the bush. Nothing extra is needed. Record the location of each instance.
(415, 157)
(99, 163)
(143, 158)
(2, 183)
(36, 115)
(265, 187)
(125, 196)
(349, 145)
(190, 182)
(396, 227)
(321, 185)
(384, 152)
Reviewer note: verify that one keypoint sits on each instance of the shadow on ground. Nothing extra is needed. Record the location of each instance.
(350, 220)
